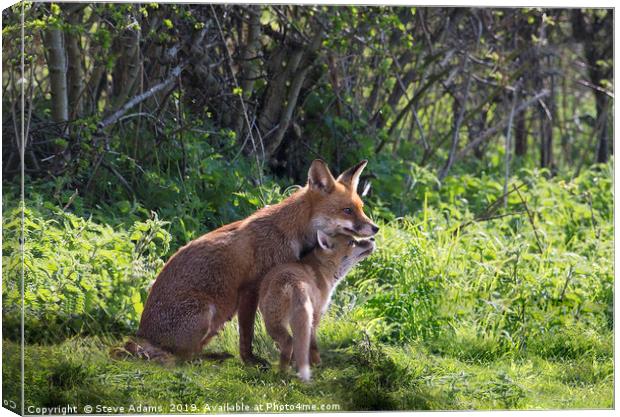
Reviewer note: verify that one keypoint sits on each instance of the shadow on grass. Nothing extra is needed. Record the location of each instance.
(357, 374)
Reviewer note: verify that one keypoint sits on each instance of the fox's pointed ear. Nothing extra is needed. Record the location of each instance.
(324, 240)
(320, 178)
(351, 176)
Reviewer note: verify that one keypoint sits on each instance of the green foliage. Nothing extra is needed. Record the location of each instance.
(482, 289)
(79, 276)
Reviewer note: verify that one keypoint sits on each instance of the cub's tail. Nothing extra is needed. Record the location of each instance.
(143, 349)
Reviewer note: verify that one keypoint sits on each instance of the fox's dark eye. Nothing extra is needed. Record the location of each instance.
(348, 210)
(351, 243)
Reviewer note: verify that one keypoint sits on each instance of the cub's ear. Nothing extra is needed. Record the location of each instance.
(351, 176)
(324, 240)
(319, 177)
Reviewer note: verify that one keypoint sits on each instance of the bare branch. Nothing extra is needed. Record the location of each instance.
(493, 130)
(141, 97)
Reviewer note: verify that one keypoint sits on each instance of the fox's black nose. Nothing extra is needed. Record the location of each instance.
(372, 239)
(375, 229)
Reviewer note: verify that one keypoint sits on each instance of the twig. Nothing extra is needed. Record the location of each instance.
(119, 176)
(495, 204)
(94, 171)
(71, 199)
(545, 109)
(507, 152)
(597, 231)
(531, 218)
(585, 83)
(568, 277)
(141, 97)
(139, 114)
(30, 107)
(427, 36)
(487, 218)
(457, 127)
(489, 210)
(316, 154)
(493, 130)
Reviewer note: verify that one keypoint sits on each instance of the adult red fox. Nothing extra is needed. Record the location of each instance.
(297, 294)
(207, 281)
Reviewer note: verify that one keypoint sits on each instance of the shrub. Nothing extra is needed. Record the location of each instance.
(79, 276)
(496, 286)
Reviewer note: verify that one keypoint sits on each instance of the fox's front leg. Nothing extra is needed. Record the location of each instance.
(248, 302)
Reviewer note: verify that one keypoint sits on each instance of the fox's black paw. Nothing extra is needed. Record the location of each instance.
(256, 361)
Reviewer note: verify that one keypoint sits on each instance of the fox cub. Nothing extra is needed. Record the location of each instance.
(298, 294)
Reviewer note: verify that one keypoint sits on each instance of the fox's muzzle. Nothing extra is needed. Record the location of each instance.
(366, 229)
(366, 247)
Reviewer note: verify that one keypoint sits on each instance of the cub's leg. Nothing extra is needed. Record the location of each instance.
(315, 358)
(278, 332)
(301, 324)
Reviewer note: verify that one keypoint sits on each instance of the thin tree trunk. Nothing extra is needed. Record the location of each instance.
(57, 65)
(289, 69)
(250, 69)
(545, 138)
(596, 31)
(457, 123)
(602, 108)
(282, 65)
(95, 87)
(508, 147)
(377, 85)
(476, 127)
(547, 118)
(520, 135)
(462, 105)
(286, 115)
(127, 67)
(75, 77)
(545, 108)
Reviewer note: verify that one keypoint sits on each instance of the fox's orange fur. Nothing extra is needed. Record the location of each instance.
(297, 295)
(209, 280)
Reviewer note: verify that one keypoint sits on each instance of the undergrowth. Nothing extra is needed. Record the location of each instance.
(460, 308)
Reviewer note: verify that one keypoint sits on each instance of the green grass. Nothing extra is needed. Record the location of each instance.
(357, 374)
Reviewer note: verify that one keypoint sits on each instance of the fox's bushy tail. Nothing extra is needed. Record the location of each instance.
(143, 349)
